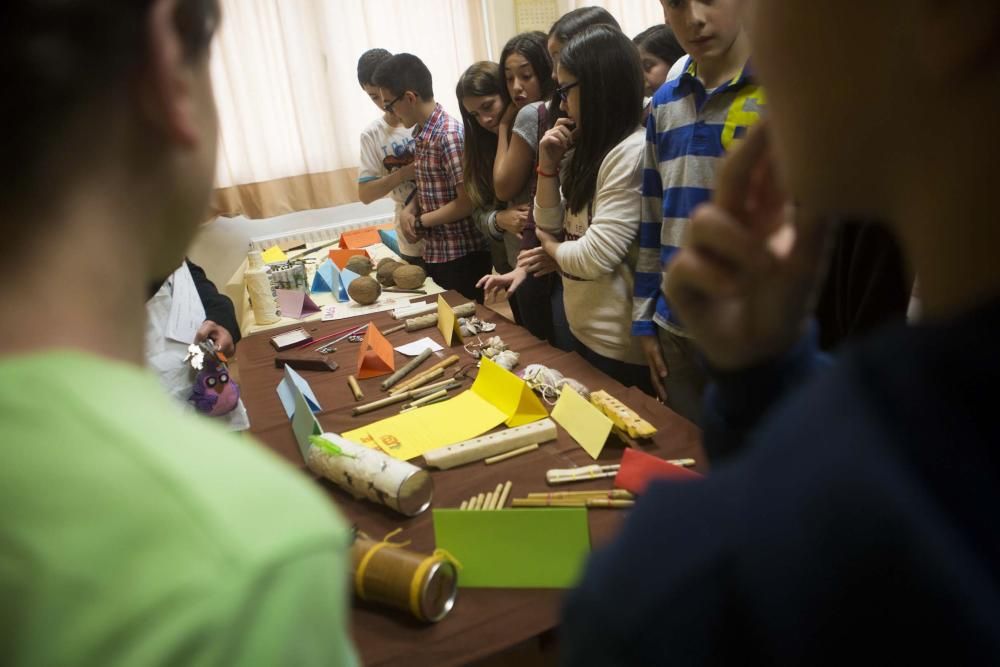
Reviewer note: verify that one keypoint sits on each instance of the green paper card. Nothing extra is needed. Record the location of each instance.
(515, 548)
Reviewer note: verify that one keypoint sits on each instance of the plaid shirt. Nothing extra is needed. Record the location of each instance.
(438, 158)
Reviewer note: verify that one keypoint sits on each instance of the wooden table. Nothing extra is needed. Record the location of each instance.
(484, 622)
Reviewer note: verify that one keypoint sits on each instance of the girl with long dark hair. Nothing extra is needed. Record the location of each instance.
(595, 153)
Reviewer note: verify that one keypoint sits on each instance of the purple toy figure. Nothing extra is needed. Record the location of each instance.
(214, 392)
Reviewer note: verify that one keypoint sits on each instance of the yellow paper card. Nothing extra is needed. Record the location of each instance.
(409, 435)
(585, 423)
(448, 323)
(273, 255)
(509, 393)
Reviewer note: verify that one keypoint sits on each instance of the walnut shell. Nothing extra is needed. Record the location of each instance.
(409, 276)
(365, 290)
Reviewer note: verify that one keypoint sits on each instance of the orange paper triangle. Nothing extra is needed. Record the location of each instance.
(341, 256)
(376, 356)
(362, 237)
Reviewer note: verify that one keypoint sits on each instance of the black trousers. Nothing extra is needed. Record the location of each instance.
(462, 274)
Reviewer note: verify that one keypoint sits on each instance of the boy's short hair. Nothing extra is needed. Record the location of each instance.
(368, 63)
(403, 72)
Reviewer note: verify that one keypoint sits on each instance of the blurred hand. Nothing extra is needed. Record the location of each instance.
(554, 145)
(658, 370)
(408, 172)
(493, 283)
(407, 225)
(536, 261)
(513, 219)
(509, 114)
(220, 336)
(743, 282)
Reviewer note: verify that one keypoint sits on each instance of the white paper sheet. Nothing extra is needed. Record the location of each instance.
(186, 310)
(418, 346)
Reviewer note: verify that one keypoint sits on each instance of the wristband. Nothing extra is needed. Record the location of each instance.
(538, 170)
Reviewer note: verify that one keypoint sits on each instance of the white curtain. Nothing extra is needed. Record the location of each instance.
(286, 84)
(633, 15)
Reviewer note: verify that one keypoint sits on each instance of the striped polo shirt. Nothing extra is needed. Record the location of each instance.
(688, 130)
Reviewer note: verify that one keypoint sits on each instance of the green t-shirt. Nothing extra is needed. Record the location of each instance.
(132, 534)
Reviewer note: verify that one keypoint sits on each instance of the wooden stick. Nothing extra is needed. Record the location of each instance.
(437, 386)
(352, 382)
(603, 503)
(381, 403)
(488, 501)
(403, 290)
(428, 398)
(421, 379)
(614, 494)
(564, 477)
(480, 501)
(398, 327)
(409, 384)
(504, 495)
(496, 497)
(407, 369)
(464, 505)
(511, 454)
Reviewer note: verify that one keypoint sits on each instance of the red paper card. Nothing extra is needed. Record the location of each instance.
(376, 356)
(638, 469)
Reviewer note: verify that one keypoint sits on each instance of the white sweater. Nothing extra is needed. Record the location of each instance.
(598, 297)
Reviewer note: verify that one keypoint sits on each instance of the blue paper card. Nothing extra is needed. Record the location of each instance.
(390, 239)
(329, 278)
(293, 384)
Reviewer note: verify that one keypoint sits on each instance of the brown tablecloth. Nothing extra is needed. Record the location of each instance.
(484, 621)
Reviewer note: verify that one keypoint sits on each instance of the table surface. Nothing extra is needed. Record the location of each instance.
(484, 622)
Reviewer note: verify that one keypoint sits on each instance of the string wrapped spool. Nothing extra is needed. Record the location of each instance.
(370, 473)
(423, 585)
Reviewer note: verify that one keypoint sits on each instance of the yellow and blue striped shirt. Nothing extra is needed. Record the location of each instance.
(688, 129)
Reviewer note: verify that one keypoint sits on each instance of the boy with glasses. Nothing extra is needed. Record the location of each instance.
(386, 166)
(455, 251)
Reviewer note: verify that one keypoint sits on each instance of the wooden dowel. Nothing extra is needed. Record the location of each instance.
(398, 327)
(428, 398)
(480, 501)
(615, 494)
(564, 478)
(488, 501)
(496, 497)
(440, 365)
(407, 369)
(503, 496)
(420, 392)
(352, 382)
(464, 505)
(418, 381)
(381, 403)
(511, 454)
(599, 503)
